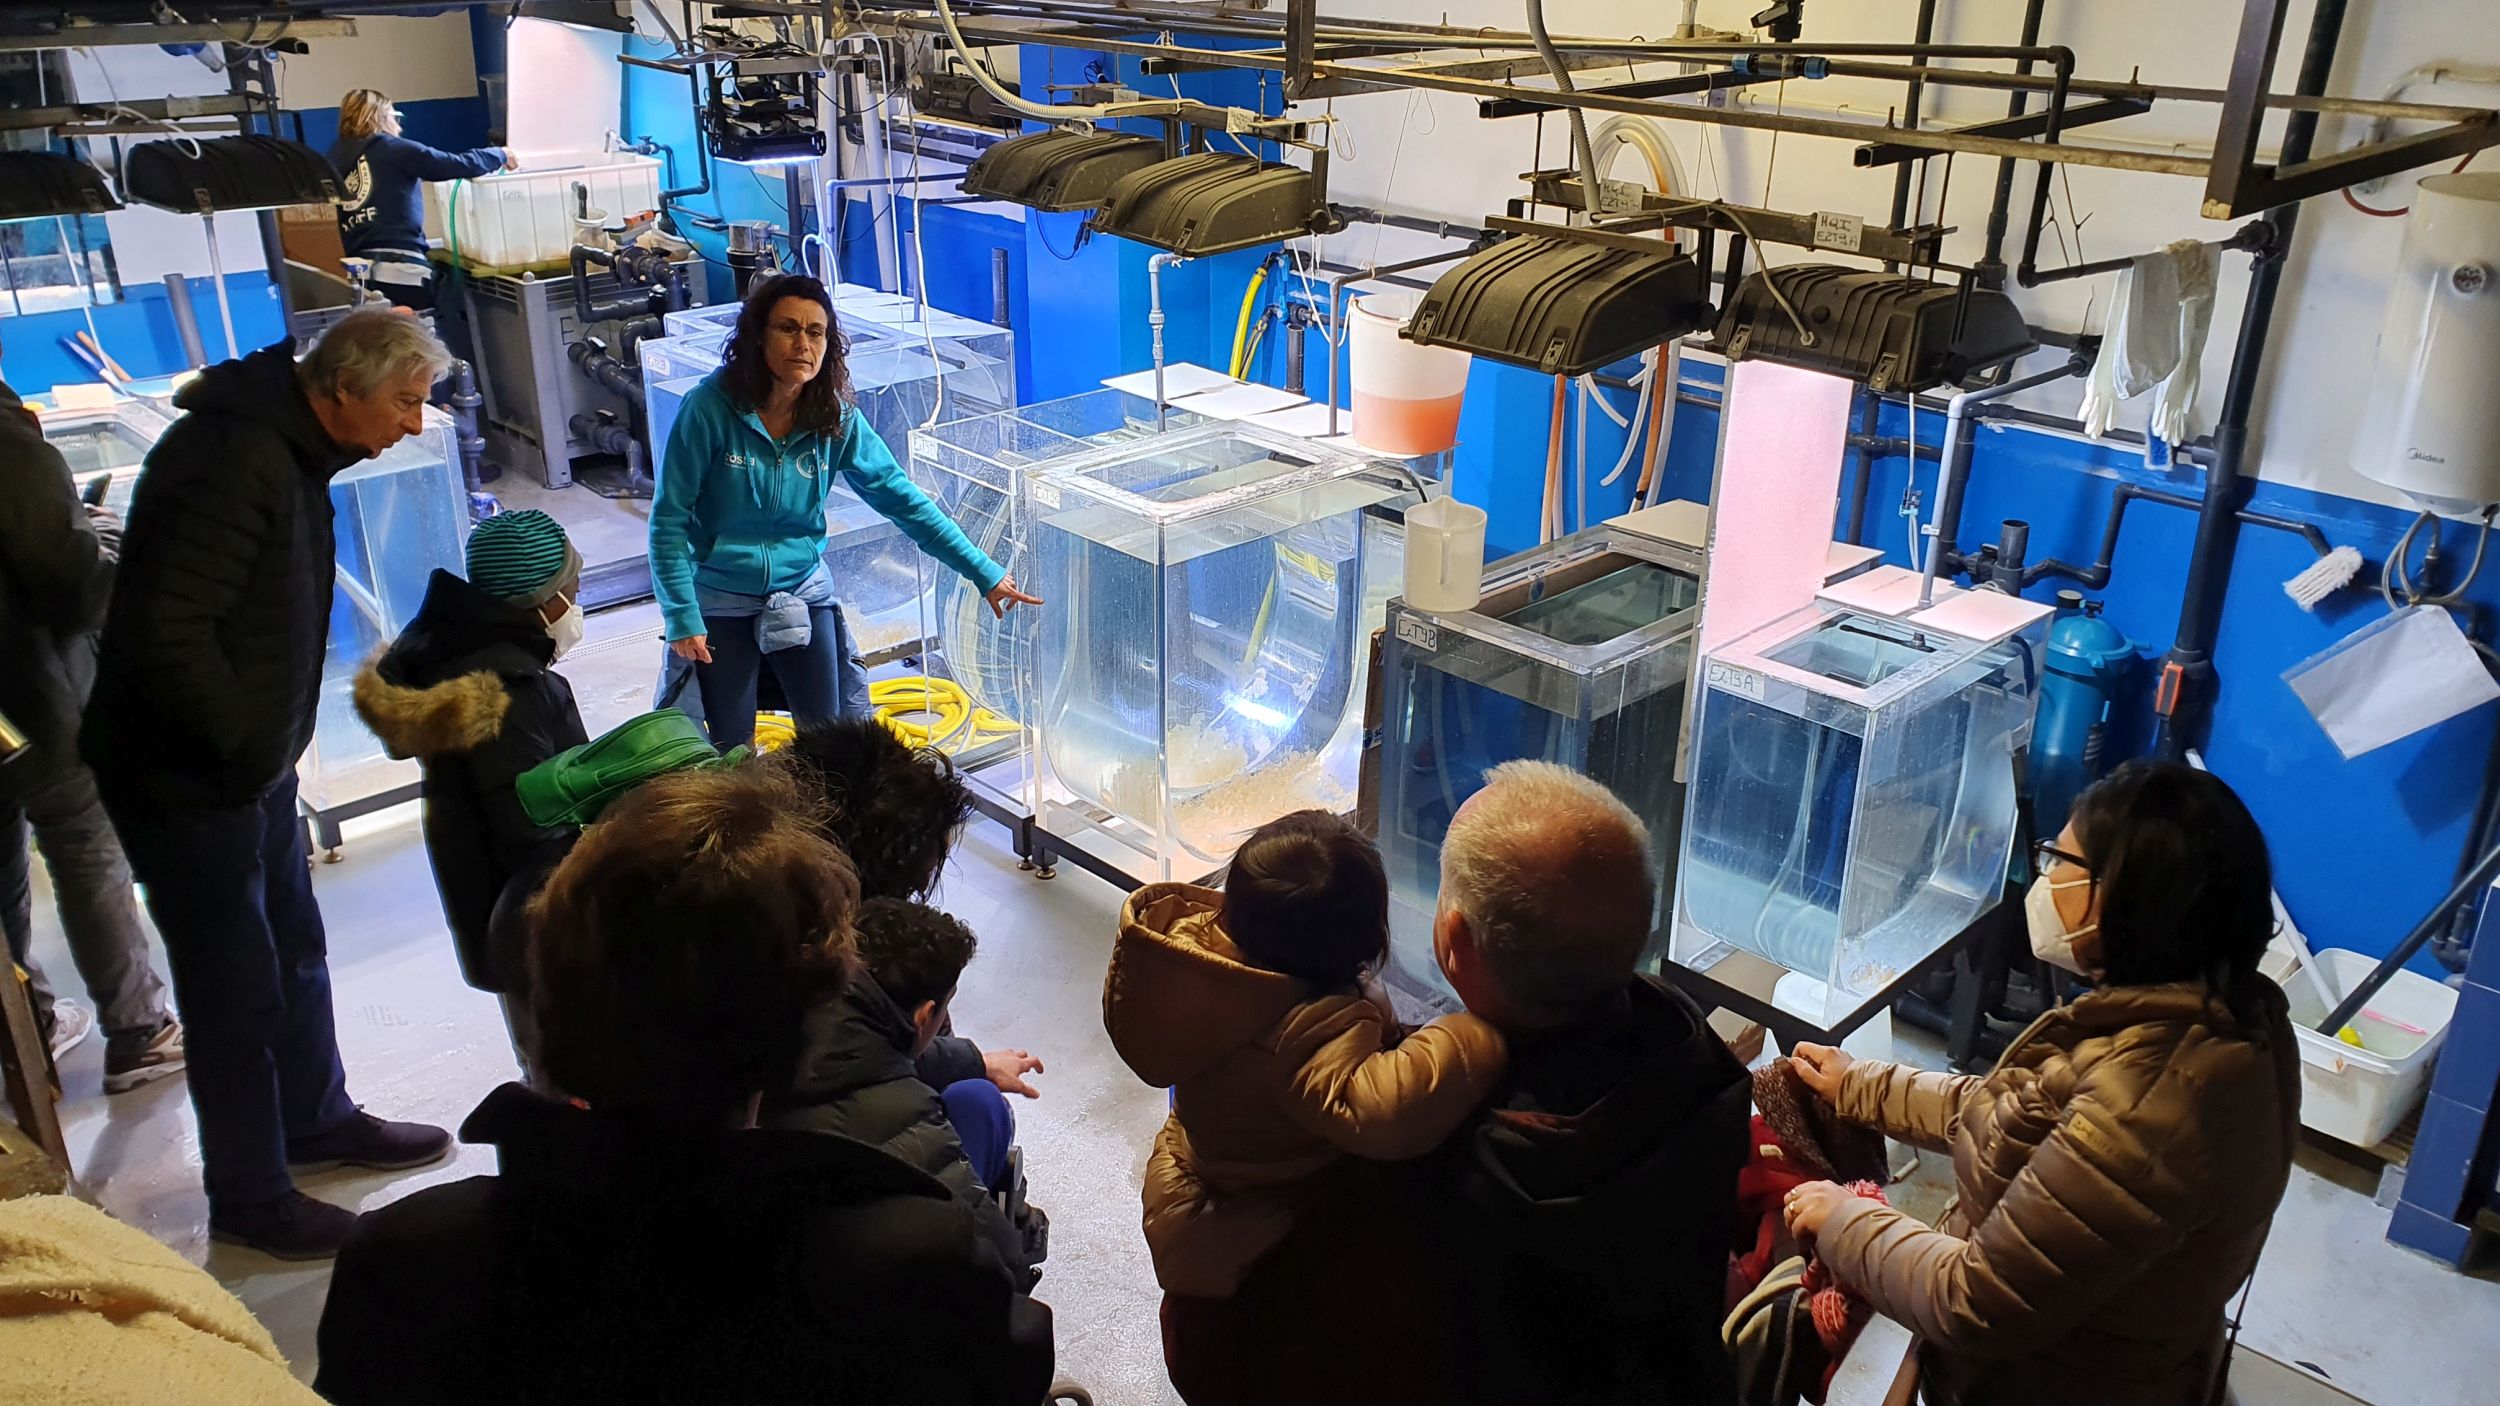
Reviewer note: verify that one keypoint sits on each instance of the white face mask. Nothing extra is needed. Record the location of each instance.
(2051, 940)
(566, 629)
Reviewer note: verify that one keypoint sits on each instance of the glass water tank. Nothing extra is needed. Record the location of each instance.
(1200, 668)
(399, 517)
(1579, 653)
(112, 440)
(975, 469)
(1852, 797)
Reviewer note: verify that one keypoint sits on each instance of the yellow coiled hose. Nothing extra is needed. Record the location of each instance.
(934, 712)
(925, 712)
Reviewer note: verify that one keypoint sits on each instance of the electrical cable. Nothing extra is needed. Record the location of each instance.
(2403, 210)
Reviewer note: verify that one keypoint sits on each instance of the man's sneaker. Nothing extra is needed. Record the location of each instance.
(72, 1023)
(131, 1064)
(367, 1141)
(296, 1228)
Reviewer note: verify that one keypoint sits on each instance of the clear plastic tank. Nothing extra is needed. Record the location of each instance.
(975, 469)
(114, 440)
(1200, 668)
(1579, 653)
(399, 518)
(1852, 792)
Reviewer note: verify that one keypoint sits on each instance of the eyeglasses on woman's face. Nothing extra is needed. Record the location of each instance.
(2045, 856)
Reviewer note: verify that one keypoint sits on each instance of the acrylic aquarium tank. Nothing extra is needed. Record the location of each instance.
(1201, 667)
(1851, 799)
(399, 518)
(110, 442)
(1579, 653)
(975, 469)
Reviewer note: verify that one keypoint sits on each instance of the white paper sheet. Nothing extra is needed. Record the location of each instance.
(1180, 378)
(1240, 402)
(2392, 678)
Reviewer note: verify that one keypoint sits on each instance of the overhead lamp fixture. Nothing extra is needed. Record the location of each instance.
(1564, 303)
(1060, 170)
(761, 118)
(38, 185)
(205, 175)
(1216, 202)
(1887, 332)
(580, 14)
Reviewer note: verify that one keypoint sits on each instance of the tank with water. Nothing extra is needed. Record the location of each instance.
(1853, 801)
(1578, 652)
(1201, 667)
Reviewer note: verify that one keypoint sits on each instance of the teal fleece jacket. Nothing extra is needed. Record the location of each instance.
(741, 512)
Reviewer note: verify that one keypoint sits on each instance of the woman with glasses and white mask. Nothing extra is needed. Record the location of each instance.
(738, 521)
(2119, 1167)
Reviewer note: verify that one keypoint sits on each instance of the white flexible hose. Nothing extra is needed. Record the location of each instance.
(1017, 102)
(1632, 431)
(1580, 148)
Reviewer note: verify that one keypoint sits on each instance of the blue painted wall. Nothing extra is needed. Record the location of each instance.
(138, 331)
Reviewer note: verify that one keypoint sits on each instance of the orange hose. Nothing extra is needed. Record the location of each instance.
(1554, 465)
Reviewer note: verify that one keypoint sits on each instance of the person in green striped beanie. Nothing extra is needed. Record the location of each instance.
(469, 691)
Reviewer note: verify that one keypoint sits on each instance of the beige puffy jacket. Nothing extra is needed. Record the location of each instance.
(2117, 1172)
(1270, 1084)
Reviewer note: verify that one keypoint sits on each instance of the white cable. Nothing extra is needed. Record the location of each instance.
(1640, 417)
(1588, 391)
(1017, 102)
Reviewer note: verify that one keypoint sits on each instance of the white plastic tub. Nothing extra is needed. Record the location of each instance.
(524, 218)
(2361, 1094)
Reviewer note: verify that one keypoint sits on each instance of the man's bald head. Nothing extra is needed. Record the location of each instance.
(1548, 872)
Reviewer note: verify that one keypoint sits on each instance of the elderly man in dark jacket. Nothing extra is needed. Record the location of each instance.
(205, 692)
(56, 572)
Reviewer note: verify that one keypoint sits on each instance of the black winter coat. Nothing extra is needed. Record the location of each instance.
(612, 1262)
(55, 578)
(856, 1078)
(467, 691)
(211, 659)
(1584, 1222)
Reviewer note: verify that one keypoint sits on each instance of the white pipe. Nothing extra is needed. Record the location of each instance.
(217, 275)
(1154, 320)
(1047, 112)
(2435, 72)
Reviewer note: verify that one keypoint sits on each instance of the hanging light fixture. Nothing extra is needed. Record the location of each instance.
(40, 185)
(1564, 302)
(1890, 333)
(206, 176)
(1215, 202)
(1061, 169)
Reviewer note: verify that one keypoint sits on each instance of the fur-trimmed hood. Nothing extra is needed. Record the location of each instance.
(440, 688)
(460, 714)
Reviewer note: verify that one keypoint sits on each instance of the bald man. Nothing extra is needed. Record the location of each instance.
(1585, 1219)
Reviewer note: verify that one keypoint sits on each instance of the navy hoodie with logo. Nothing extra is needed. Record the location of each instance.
(382, 204)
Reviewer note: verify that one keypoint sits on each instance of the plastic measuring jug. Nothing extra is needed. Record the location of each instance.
(1406, 397)
(1444, 554)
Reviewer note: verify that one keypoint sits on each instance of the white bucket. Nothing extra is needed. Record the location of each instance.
(590, 230)
(1406, 397)
(2360, 1094)
(1444, 554)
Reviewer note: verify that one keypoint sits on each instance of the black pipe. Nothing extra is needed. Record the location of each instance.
(2095, 576)
(1862, 453)
(650, 272)
(2187, 674)
(592, 356)
(465, 401)
(1990, 270)
(1297, 318)
(2474, 881)
(1002, 308)
(1925, 31)
(1958, 454)
(609, 437)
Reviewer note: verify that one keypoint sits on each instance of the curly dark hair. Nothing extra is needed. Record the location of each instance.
(675, 951)
(1306, 896)
(915, 952)
(895, 809)
(2185, 884)
(749, 381)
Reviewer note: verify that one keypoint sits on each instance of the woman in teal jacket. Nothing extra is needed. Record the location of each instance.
(738, 523)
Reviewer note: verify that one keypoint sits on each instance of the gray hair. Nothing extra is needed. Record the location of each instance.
(1551, 871)
(366, 351)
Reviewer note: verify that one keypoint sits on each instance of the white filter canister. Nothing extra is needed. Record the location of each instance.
(2431, 425)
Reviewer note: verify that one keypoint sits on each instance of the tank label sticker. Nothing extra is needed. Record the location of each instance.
(1847, 233)
(1419, 632)
(1742, 682)
(1046, 494)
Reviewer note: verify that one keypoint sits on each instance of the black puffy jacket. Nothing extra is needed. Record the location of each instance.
(211, 660)
(467, 691)
(856, 1078)
(54, 581)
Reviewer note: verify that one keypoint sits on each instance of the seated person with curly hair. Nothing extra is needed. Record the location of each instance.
(655, 1244)
(897, 810)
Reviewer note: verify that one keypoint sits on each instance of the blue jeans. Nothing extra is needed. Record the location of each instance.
(984, 1124)
(231, 892)
(820, 680)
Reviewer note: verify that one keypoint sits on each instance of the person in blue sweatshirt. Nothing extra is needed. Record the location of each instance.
(382, 203)
(738, 521)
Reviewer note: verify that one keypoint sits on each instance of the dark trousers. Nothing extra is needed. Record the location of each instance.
(820, 680)
(91, 887)
(233, 900)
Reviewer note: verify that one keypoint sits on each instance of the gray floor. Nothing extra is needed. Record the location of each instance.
(2384, 1325)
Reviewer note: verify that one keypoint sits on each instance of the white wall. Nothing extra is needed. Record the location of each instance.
(1430, 154)
(413, 60)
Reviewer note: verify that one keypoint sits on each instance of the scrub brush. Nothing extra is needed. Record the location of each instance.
(2324, 577)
